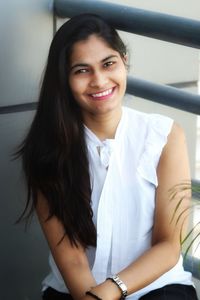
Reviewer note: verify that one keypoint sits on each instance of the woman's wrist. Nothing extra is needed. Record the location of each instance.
(106, 291)
(93, 295)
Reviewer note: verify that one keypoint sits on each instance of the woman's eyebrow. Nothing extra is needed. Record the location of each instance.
(79, 65)
(87, 65)
(109, 57)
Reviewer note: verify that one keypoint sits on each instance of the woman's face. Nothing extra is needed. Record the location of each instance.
(97, 77)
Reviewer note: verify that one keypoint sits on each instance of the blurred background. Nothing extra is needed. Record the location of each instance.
(26, 30)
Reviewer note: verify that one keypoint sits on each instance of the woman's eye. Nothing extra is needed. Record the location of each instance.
(81, 71)
(109, 64)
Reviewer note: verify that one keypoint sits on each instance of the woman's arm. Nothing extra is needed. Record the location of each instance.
(173, 169)
(70, 260)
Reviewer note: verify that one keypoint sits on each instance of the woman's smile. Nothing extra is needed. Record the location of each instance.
(103, 95)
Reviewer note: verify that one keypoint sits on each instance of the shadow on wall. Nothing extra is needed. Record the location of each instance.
(24, 255)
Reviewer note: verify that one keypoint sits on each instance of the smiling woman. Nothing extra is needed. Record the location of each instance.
(98, 80)
(99, 176)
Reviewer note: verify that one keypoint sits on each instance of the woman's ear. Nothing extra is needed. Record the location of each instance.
(125, 60)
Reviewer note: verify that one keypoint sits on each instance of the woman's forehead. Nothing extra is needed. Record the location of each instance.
(92, 49)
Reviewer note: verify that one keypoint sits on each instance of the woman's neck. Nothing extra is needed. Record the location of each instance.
(104, 126)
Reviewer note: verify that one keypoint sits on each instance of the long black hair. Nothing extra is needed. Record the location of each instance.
(54, 152)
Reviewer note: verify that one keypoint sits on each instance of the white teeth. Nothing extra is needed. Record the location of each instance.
(105, 93)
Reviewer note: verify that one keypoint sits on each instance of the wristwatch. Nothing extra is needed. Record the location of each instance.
(120, 284)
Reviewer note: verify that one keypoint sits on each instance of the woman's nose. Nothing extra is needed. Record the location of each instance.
(98, 79)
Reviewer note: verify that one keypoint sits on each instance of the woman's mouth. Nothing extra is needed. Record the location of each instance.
(103, 95)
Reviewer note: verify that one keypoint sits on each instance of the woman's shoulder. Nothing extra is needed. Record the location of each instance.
(148, 121)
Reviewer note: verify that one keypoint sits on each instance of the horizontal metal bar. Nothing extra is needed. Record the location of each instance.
(156, 25)
(18, 108)
(164, 94)
(155, 92)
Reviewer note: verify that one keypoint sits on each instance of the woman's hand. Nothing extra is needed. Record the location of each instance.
(105, 291)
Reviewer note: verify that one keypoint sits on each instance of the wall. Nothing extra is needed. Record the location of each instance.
(26, 29)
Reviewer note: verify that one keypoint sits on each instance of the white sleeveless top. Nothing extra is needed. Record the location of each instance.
(123, 180)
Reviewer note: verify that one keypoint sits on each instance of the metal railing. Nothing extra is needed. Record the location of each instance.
(134, 20)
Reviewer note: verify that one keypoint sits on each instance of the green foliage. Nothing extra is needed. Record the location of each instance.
(192, 238)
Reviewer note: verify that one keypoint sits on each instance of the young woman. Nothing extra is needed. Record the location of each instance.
(99, 176)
